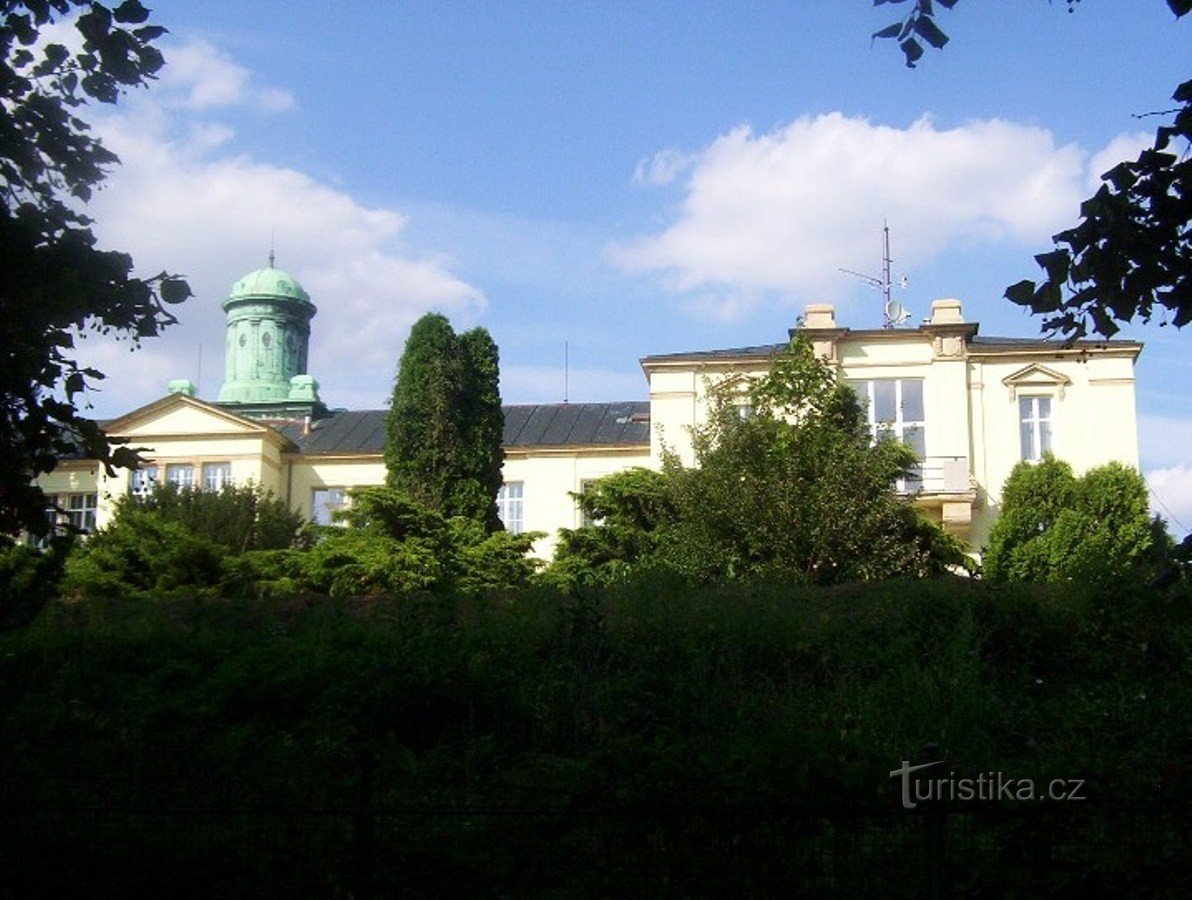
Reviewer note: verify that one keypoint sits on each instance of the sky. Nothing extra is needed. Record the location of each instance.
(600, 181)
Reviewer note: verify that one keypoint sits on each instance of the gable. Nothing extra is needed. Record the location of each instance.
(1036, 376)
(180, 415)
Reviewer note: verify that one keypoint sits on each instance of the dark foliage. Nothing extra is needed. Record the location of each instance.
(54, 282)
(445, 423)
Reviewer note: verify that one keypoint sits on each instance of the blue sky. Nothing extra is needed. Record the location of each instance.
(626, 177)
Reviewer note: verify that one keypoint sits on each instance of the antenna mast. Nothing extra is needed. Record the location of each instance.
(892, 313)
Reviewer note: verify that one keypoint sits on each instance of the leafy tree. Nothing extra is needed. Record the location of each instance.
(445, 423)
(797, 491)
(54, 281)
(1054, 526)
(632, 510)
(1129, 257)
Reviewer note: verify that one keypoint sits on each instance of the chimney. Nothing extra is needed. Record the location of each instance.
(819, 315)
(946, 312)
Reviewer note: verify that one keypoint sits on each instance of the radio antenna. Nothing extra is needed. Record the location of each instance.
(893, 312)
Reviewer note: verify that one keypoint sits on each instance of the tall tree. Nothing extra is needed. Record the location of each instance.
(54, 281)
(1130, 256)
(443, 434)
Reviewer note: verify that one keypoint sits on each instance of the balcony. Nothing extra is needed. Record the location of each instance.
(944, 484)
(939, 475)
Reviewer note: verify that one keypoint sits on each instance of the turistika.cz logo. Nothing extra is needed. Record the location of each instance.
(988, 786)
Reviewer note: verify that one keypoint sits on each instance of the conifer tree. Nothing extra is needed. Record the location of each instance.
(443, 434)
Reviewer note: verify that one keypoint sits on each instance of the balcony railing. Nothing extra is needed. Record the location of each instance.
(938, 475)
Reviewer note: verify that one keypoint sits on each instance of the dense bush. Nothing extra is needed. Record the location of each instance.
(237, 517)
(1054, 526)
(616, 709)
(29, 579)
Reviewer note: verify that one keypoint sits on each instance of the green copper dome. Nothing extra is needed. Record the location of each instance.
(268, 284)
(266, 346)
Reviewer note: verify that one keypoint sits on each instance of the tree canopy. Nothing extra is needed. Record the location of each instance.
(797, 490)
(1054, 526)
(55, 282)
(1130, 256)
(445, 425)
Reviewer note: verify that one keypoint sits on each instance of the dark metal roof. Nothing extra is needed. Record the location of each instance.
(760, 350)
(577, 424)
(539, 425)
(343, 431)
(1034, 343)
(976, 342)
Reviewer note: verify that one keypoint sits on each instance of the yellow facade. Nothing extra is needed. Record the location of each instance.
(976, 405)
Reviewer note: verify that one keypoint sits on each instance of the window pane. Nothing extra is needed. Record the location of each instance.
(1027, 436)
(81, 510)
(509, 506)
(885, 403)
(180, 475)
(912, 401)
(325, 502)
(915, 438)
(1044, 437)
(1044, 407)
(143, 480)
(216, 475)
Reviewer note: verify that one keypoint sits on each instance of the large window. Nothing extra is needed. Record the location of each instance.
(510, 506)
(216, 476)
(325, 502)
(586, 519)
(1034, 416)
(80, 510)
(895, 410)
(143, 480)
(181, 475)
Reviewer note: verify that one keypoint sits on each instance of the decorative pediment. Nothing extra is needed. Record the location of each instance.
(1036, 376)
(178, 414)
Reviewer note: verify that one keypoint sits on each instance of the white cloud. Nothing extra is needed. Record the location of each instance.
(183, 200)
(1171, 496)
(663, 168)
(200, 76)
(779, 213)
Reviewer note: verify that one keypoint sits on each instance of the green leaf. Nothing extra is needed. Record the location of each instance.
(174, 290)
(130, 12)
(930, 32)
(1021, 293)
(913, 50)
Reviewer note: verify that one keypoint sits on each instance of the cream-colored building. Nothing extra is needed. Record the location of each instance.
(972, 406)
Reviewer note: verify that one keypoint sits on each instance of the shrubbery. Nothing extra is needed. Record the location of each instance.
(1054, 526)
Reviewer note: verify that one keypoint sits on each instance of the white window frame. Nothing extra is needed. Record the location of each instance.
(585, 520)
(1029, 414)
(217, 475)
(174, 473)
(899, 427)
(81, 511)
(511, 506)
(143, 480)
(323, 508)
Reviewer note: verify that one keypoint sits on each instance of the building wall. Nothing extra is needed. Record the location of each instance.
(550, 475)
(971, 413)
